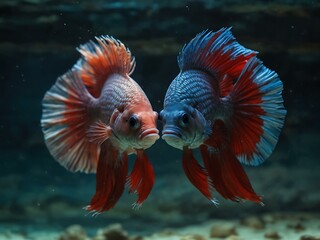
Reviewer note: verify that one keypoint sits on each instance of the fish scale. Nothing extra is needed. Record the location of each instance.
(194, 88)
(118, 92)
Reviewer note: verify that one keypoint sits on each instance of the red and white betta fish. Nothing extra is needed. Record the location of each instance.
(226, 102)
(95, 115)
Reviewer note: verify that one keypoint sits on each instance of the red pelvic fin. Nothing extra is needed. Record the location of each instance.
(195, 173)
(258, 113)
(100, 60)
(65, 120)
(141, 179)
(217, 53)
(225, 171)
(110, 179)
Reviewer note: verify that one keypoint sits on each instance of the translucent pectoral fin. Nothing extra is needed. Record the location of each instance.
(99, 132)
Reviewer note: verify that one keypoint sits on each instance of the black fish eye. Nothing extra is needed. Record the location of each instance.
(185, 119)
(133, 122)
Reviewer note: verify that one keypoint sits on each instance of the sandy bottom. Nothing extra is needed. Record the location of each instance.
(291, 226)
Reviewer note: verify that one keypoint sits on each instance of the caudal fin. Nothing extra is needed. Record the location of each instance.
(100, 60)
(64, 122)
(217, 53)
(258, 113)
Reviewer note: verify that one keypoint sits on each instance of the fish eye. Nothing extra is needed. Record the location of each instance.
(133, 122)
(184, 120)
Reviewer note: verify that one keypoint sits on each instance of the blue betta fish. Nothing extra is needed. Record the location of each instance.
(225, 101)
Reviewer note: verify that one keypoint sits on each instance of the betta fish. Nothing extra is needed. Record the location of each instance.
(227, 103)
(95, 115)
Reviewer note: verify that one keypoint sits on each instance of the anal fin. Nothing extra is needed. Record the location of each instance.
(225, 171)
(227, 175)
(141, 179)
(215, 173)
(196, 174)
(110, 178)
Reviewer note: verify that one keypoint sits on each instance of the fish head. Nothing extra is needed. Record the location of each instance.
(135, 127)
(183, 125)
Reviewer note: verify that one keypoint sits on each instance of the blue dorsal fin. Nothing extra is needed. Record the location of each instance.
(217, 53)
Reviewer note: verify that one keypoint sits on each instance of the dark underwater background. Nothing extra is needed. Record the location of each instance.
(38, 43)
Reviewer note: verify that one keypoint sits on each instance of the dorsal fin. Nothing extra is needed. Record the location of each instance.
(100, 60)
(217, 53)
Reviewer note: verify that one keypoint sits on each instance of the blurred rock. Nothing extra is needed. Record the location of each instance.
(112, 232)
(166, 233)
(99, 237)
(233, 237)
(253, 222)
(272, 235)
(74, 232)
(309, 237)
(222, 230)
(297, 226)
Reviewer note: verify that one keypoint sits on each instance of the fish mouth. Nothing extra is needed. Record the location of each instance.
(173, 138)
(171, 134)
(151, 133)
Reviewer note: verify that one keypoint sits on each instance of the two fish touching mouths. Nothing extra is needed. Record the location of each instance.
(224, 101)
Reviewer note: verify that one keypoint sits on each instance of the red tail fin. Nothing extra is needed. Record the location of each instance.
(195, 173)
(110, 179)
(258, 113)
(65, 119)
(225, 171)
(141, 178)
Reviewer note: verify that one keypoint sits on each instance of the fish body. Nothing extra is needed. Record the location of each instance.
(227, 103)
(190, 96)
(95, 115)
(126, 109)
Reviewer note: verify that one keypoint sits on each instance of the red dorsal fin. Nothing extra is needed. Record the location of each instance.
(196, 174)
(110, 179)
(225, 171)
(100, 60)
(217, 53)
(65, 119)
(141, 179)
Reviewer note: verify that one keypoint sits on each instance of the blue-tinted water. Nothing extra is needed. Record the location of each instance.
(38, 43)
